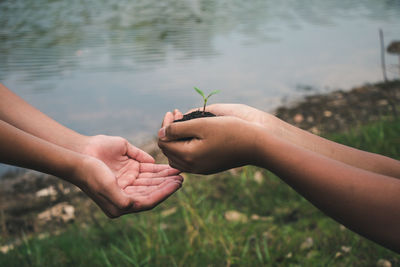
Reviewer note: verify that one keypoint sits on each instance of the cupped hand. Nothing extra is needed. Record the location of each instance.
(127, 162)
(208, 145)
(145, 192)
(134, 172)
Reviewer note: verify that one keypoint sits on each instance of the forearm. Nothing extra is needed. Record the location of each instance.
(25, 150)
(351, 156)
(366, 202)
(15, 111)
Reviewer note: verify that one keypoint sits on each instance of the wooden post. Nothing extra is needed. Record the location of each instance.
(383, 55)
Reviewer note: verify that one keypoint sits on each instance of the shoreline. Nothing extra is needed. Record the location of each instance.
(341, 110)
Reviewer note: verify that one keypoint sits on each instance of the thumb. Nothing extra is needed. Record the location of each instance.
(139, 155)
(180, 130)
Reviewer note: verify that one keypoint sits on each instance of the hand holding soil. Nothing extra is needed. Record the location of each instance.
(207, 145)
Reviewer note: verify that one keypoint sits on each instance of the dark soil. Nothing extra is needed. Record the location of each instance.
(195, 115)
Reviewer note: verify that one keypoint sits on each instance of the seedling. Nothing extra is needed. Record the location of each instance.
(204, 96)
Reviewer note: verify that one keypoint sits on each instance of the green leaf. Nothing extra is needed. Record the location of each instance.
(213, 93)
(200, 92)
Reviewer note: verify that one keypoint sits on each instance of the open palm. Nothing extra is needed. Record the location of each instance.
(135, 172)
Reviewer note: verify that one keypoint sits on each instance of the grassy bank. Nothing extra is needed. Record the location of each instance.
(244, 217)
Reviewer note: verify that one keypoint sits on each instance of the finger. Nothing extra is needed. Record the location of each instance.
(163, 173)
(177, 114)
(144, 190)
(113, 200)
(134, 190)
(182, 130)
(180, 149)
(151, 200)
(154, 168)
(139, 190)
(139, 155)
(176, 160)
(155, 181)
(168, 119)
(125, 181)
(180, 164)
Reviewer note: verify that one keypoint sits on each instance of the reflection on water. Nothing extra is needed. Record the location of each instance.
(116, 66)
(46, 38)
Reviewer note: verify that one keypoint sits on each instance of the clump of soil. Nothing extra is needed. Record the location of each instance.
(195, 115)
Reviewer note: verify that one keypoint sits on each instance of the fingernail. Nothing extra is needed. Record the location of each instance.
(161, 133)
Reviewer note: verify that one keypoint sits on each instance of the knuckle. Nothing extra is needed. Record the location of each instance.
(121, 140)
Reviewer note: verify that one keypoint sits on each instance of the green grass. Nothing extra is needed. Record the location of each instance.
(196, 232)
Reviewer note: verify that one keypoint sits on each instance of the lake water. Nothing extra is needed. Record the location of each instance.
(116, 66)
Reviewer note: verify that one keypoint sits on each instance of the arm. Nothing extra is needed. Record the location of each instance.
(24, 150)
(111, 150)
(130, 169)
(364, 201)
(118, 154)
(351, 156)
(15, 111)
(90, 174)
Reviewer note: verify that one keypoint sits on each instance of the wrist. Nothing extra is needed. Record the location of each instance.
(89, 145)
(81, 169)
(70, 140)
(258, 145)
(80, 143)
(252, 142)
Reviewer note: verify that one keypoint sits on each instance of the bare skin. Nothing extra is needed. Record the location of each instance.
(118, 176)
(361, 190)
